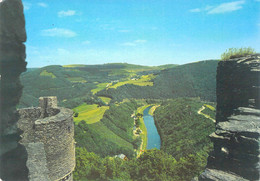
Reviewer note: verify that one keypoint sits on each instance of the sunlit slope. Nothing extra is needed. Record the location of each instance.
(110, 135)
(89, 113)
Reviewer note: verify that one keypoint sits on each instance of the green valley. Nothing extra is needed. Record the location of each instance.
(108, 103)
(185, 147)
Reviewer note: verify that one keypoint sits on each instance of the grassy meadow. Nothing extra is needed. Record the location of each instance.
(89, 113)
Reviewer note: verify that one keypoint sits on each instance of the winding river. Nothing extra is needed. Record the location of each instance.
(153, 136)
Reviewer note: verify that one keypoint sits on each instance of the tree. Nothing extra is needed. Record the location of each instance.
(139, 115)
(137, 142)
(137, 122)
(88, 165)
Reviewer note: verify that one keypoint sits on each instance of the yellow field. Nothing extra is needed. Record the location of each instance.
(89, 113)
(74, 65)
(48, 74)
(143, 81)
(105, 99)
(99, 87)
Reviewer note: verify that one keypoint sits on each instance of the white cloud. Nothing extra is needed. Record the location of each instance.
(86, 42)
(66, 13)
(221, 8)
(196, 10)
(257, 0)
(58, 32)
(227, 7)
(44, 5)
(134, 43)
(26, 6)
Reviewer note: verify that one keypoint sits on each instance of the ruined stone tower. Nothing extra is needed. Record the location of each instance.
(236, 154)
(49, 140)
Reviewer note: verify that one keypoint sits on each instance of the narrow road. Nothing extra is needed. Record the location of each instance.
(205, 115)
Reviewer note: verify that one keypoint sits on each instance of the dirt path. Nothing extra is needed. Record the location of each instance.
(205, 115)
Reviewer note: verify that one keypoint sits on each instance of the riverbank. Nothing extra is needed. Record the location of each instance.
(144, 130)
(151, 111)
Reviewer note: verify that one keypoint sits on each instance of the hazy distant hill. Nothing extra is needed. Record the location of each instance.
(190, 80)
(72, 83)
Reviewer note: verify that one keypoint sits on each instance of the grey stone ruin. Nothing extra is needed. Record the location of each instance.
(48, 136)
(36, 144)
(236, 154)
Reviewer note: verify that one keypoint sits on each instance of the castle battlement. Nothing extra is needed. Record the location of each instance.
(48, 128)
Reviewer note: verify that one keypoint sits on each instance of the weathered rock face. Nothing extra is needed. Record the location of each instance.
(12, 64)
(49, 140)
(237, 85)
(236, 140)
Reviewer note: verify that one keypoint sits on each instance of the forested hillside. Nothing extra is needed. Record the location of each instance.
(182, 130)
(73, 84)
(151, 165)
(189, 80)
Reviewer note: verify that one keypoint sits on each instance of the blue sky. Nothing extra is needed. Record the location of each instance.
(145, 32)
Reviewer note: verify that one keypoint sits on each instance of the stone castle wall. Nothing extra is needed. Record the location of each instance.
(52, 128)
(236, 154)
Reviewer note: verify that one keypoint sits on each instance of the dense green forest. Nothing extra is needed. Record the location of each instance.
(182, 130)
(151, 165)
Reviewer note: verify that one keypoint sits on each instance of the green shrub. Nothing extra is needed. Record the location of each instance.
(76, 114)
(237, 52)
